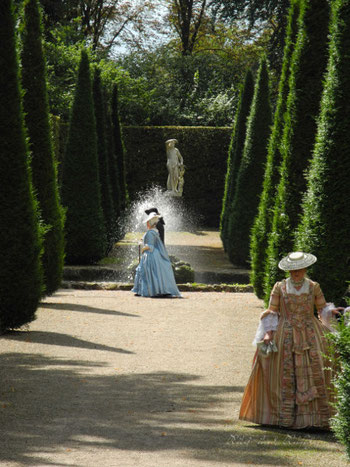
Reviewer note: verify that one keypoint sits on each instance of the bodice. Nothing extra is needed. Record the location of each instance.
(299, 309)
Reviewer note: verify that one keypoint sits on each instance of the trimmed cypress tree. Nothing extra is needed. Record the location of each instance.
(113, 169)
(324, 227)
(85, 229)
(119, 149)
(20, 267)
(43, 164)
(263, 220)
(235, 151)
(308, 65)
(251, 171)
(106, 197)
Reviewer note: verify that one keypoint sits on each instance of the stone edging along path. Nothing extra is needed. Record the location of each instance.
(194, 287)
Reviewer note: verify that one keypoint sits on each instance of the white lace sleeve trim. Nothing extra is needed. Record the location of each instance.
(268, 323)
(326, 314)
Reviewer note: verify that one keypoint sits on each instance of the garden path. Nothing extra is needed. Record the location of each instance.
(104, 378)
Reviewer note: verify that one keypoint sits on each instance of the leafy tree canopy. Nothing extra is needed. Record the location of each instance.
(260, 15)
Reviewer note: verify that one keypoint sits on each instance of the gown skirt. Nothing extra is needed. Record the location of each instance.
(154, 275)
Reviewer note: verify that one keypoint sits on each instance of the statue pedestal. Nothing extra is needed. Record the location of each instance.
(175, 194)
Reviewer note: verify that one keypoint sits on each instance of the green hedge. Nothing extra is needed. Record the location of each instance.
(325, 221)
(20, 235)
(340, 345)
(235, 153)
(43, 163)
(204, 150)
(85, 228)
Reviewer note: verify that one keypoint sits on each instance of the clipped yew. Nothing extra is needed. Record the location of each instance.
(263, 219)
(324, 226)
(235, 152)
(81, 195)
(20, 266)
(308, 66)
(248, 185)
(119, 150)
(113, 169)
(43, 164)
(102, 155)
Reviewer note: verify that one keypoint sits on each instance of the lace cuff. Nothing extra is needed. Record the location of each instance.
(326, 314)
(268, 323)
(151, 248)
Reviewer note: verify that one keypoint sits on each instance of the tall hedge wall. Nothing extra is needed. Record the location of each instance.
(204, 150)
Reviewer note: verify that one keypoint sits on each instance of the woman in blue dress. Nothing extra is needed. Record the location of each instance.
(154, 275)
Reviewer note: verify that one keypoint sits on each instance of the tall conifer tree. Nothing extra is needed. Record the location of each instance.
(263, 220)
(324, 227)
(20, 267)
(251, 171)
(308, 66)
(235, 151)
(81, 194)
(119, 150)
(113, 169)
(103, 163)
(35, 104)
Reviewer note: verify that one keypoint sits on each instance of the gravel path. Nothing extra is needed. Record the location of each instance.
(109, 379)
(104, 378)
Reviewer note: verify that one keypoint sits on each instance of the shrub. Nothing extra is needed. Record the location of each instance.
(85, 229)
(251, 171)
(235, 152)
(20, 267)
(263, 220)
(340, 343)
(102, 156)
(308, 65)
(119, 149)
(324, 226)
(43, 163)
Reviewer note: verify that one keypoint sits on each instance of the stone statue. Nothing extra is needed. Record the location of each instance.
(176, 168)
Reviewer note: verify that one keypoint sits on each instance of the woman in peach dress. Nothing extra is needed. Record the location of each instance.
(290, 384)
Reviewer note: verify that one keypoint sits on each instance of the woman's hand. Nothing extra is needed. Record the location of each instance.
(337, 311)
(145, 248)
(268, 337)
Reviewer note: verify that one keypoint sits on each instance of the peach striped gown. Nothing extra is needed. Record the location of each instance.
(292, 387)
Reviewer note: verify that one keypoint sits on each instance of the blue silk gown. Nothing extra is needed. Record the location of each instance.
(154, 275)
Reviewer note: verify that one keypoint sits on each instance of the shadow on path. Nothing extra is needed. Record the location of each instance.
(84, 309)
(56, 338)
(50, 406)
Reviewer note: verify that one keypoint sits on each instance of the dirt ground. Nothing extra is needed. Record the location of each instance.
(104, 378)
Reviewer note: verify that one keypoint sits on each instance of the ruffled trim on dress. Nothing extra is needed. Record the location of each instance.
(268, 323)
